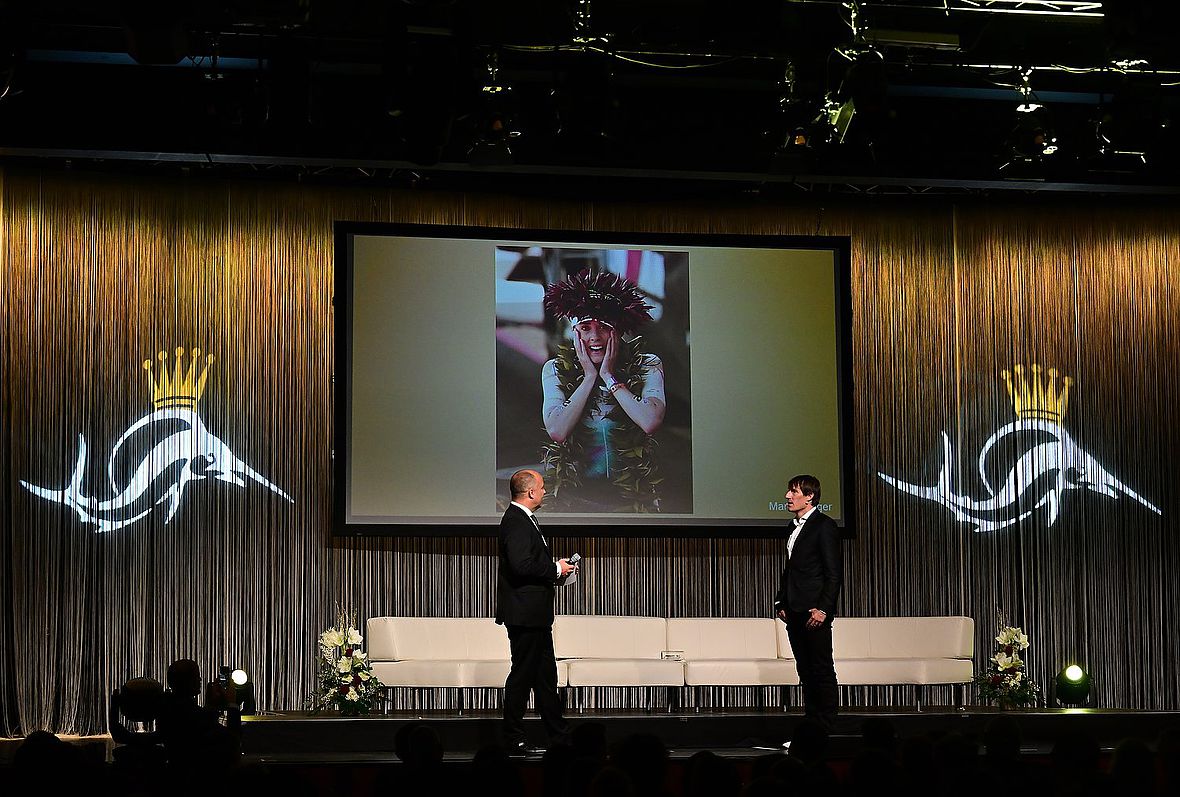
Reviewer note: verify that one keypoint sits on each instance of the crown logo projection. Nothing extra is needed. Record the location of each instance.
(1048, 461)
(1041, 399)
(183, 387)
(174, 446)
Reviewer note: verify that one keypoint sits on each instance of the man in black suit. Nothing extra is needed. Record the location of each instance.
(525, 607)
(807, 597)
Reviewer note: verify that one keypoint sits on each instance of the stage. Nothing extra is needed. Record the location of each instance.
(301, 738)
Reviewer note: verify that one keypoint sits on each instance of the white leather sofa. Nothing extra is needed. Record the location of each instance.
(611, 651)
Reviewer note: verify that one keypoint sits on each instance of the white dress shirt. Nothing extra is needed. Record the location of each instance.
(799, 521)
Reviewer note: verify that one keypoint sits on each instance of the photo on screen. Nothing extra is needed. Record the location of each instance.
(593, 378)
(662, 383)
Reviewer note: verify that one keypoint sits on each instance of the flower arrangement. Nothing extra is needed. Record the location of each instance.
(1004, 680)
(344, 675)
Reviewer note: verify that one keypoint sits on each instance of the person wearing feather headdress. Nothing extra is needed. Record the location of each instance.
(603, 398)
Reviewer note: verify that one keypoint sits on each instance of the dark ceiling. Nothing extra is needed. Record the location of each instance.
(908, 94)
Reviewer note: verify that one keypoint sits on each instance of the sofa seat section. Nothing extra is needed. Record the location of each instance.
(603, 650)
(730, 651)
(741, 672)
(463, 652)
(624, 672)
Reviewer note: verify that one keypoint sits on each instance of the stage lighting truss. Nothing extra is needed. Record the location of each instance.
(1029, 8)
(1053, 8)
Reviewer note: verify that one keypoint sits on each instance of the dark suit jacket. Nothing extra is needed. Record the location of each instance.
(814, 574)
(525, 584)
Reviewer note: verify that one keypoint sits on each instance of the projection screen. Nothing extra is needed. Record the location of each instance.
(727, 375)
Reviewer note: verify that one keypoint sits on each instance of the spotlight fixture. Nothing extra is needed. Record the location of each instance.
(1122, 138)
(234, 692)
(862, 95)
(795, 153)
(493, 120)
(1072, 687)
(1032, 139)
(1110, 153)
(800, 144)
(1028, 103)
(801, 128)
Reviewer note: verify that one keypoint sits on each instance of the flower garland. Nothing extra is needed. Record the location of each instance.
(637, 480)
(1004, 681)
(344, 674)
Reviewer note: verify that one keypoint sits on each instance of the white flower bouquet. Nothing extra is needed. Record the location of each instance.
(344, 675)
(1004, 681)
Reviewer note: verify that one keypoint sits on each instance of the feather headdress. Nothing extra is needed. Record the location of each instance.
(601, 296)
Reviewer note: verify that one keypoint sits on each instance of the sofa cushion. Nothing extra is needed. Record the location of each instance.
(903, 637)
(723, 638)
(419, 673)
(488, 674)
(868, 672)
(468, 674)
(584, 636)
(947, 671)
(435, 638)
(740, 672)
(624, 672)
(862, 672)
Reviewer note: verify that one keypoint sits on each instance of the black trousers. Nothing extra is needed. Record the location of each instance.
(813, 658)
(534, 667)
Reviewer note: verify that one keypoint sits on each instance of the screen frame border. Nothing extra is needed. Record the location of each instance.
(345, 231)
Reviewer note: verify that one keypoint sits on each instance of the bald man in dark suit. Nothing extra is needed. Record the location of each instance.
(524, 605)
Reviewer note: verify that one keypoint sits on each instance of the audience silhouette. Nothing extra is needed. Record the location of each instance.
(169, 744)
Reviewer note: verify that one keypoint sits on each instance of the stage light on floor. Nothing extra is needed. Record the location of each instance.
(233, 691)
(243, 691)
(1072, 687)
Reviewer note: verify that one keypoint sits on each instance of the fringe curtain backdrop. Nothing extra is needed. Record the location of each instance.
(102, 273)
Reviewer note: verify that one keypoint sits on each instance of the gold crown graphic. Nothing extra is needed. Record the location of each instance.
(1042, 400)
(183, 387)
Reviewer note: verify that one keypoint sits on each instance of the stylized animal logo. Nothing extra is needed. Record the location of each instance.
(179, 450)
(1052, 464)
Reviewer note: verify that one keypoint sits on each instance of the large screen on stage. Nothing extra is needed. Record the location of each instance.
(662, 384)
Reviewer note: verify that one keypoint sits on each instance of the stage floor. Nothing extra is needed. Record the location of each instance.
(299, 737)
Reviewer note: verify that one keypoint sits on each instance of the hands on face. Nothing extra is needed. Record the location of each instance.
(588, 366)
(612, 352)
